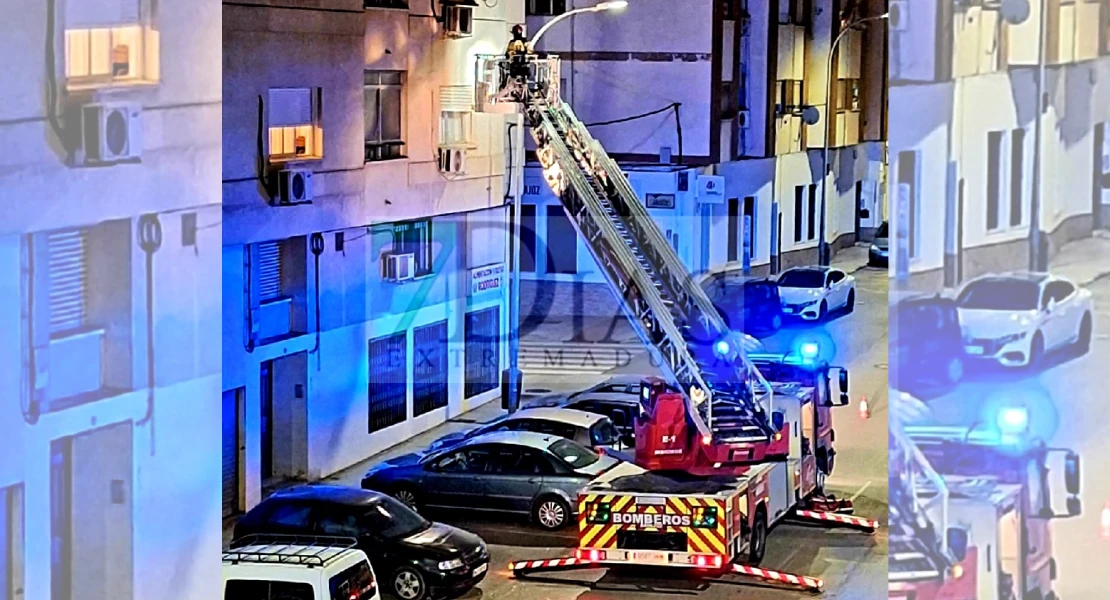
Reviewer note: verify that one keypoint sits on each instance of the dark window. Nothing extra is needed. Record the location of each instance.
(514, 461)
(799, 207)
(289, 516)
(382, 105)
(730, 99)
(429, 370)
(994, 178)
(473, 460)
(554, 428)
(1060, 290)
(354, 583)
(802, 278)
(254, 589)
(415, 237)
(999, 294)
(331, 522)
(483, 350)
(1017, 174)
(573, 453)
(907, 176)
(749, 217)
(733, 229)
(812, 214)
(562, 241)
(528, 238)
(546, 7)
(388, 519)
(730, 10)
(388, 381)
(604, 433)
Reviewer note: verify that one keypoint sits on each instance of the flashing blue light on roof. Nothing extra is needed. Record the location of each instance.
(809, 350)
(1013, 420)
(722, 347)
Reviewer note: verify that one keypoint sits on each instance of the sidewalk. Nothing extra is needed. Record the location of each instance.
(1084, 261)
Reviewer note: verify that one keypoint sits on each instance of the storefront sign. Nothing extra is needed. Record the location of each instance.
(659, 200)
(486, 279)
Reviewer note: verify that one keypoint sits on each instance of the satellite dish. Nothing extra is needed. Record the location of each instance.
(810, 115)
(1015, 12)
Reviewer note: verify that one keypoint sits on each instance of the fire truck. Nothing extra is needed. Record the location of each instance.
(1000, 489)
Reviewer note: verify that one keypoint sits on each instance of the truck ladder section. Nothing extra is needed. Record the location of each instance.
(667, 308)
(918, 547)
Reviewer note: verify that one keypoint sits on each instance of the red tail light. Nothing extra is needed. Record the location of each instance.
(703, 561)
(590, 556)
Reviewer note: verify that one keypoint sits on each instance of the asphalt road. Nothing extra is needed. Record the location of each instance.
(853, 565)
(1070, 409)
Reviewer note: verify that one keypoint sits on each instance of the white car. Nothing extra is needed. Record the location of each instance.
(291, 568)
(1016, 318)
(813, 292)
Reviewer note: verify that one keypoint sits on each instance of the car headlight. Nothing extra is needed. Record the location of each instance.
(450, 565)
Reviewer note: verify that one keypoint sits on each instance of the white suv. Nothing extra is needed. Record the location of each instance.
(298, 569)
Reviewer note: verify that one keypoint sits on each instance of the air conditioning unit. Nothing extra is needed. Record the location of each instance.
(398, 267)
(898, 15)
(294, 187)
(111, 133)
(458, 20)
(452, 160)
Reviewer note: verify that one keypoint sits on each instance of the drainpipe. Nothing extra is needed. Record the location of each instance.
(150, 240)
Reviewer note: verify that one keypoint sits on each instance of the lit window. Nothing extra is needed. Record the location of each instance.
(109, 42)
(294, 124)
(454, 128)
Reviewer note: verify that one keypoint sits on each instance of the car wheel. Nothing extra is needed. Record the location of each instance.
(551, 513)
(1083, 340)
(408, 496)
(1036, 350)
(758, 545)
(408, 584)
(851, 305)
(824, 311)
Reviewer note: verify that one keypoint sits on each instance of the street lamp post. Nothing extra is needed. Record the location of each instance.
(1037, 262)
(512, 377)
(823, 257)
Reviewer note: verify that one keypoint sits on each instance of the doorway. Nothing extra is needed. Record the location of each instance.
(91, 515)
(1100, 196)
(11, 543)
(859, 210)
(562, 241)
(284, 403)
(232, 448)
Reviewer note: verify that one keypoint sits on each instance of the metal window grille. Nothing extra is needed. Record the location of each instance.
(68, 264)
(388, 381)
(429, 379)
(483, 345)
(269, 271)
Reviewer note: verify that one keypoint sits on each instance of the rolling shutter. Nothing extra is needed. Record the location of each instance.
(269, 271)
(230, 444)
(68, 280)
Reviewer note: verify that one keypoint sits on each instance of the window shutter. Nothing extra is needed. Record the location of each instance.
(68, 280)
(93, 14)
(269, 271)
(290, 107)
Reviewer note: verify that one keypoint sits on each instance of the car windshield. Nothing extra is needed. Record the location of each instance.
(883, 231)
(803, 278)
(390, 520)
(1000, 294)
(604, 433)
(575, 455)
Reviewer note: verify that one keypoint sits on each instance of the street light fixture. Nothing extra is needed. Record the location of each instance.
(823, 257)
(600, 7)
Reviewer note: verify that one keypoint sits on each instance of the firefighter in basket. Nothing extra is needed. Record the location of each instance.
(514, 74)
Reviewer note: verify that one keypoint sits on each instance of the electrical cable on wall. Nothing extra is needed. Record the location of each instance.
(261, 167)
(52, 75)
(316, 245)
(30, 408)
(674, 106)
(150, 240)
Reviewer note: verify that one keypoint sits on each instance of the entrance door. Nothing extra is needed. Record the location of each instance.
(562, 241)
(266, 397)
(231, 445)
(91, 512)
(859, 208)
(1100, 196)
(289, 408)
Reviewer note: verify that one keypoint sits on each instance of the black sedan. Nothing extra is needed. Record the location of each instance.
(418, 558)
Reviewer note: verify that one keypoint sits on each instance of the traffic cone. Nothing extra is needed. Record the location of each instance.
(864, 408)
(1106, 521)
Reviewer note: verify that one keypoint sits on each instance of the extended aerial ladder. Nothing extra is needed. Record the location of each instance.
(728, 400)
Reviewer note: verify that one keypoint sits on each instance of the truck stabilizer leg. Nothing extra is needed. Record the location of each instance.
(866, 525)
(522, 568)
(831, 504)
(810, 583)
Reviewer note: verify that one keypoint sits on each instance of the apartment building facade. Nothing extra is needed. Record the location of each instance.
(109, 241)
(734, 96)
(964, 107)
(372, 306)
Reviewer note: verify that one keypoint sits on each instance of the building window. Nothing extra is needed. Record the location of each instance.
(385, 4)
(799, 207)
(112, 44)
(528, 238)
(789, 96)
(907, 195)
(383, 103)
(294, 124)
(388, 394)
(733, 229)
(730, 99)
(280, 283)
(730, 10)
(994, 179)
(483, 350)
(812, 214)
(847, 94)
(415, 237)
(11, 543)
(1017, 174)
(429, 370)
(542, 8)
(792, 12)
(455, 128)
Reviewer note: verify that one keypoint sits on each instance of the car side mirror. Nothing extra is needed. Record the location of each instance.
(1071, 473)
(1075, 506)
(957, 540)
(843, 380)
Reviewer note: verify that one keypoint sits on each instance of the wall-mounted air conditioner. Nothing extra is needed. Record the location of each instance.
(294, 187)
(458, 18)
(452, 160)
(111, 133)
(398, 267)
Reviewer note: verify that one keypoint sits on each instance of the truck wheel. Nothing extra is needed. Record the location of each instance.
(758, 545)
(551, 513)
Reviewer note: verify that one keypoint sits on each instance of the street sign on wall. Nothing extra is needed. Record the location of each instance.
(487, 279)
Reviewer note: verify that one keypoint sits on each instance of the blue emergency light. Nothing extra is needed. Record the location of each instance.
(1013, 420)
(809, 350)
(722, 347)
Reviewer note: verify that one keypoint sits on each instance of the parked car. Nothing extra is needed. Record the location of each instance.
(748, 305)
(298, 568)
(1014, 319)
(617, 384)
(878, 255)
(418, 558)
(927, 343)
(812, 292)
(511, 471)
(587, 428)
